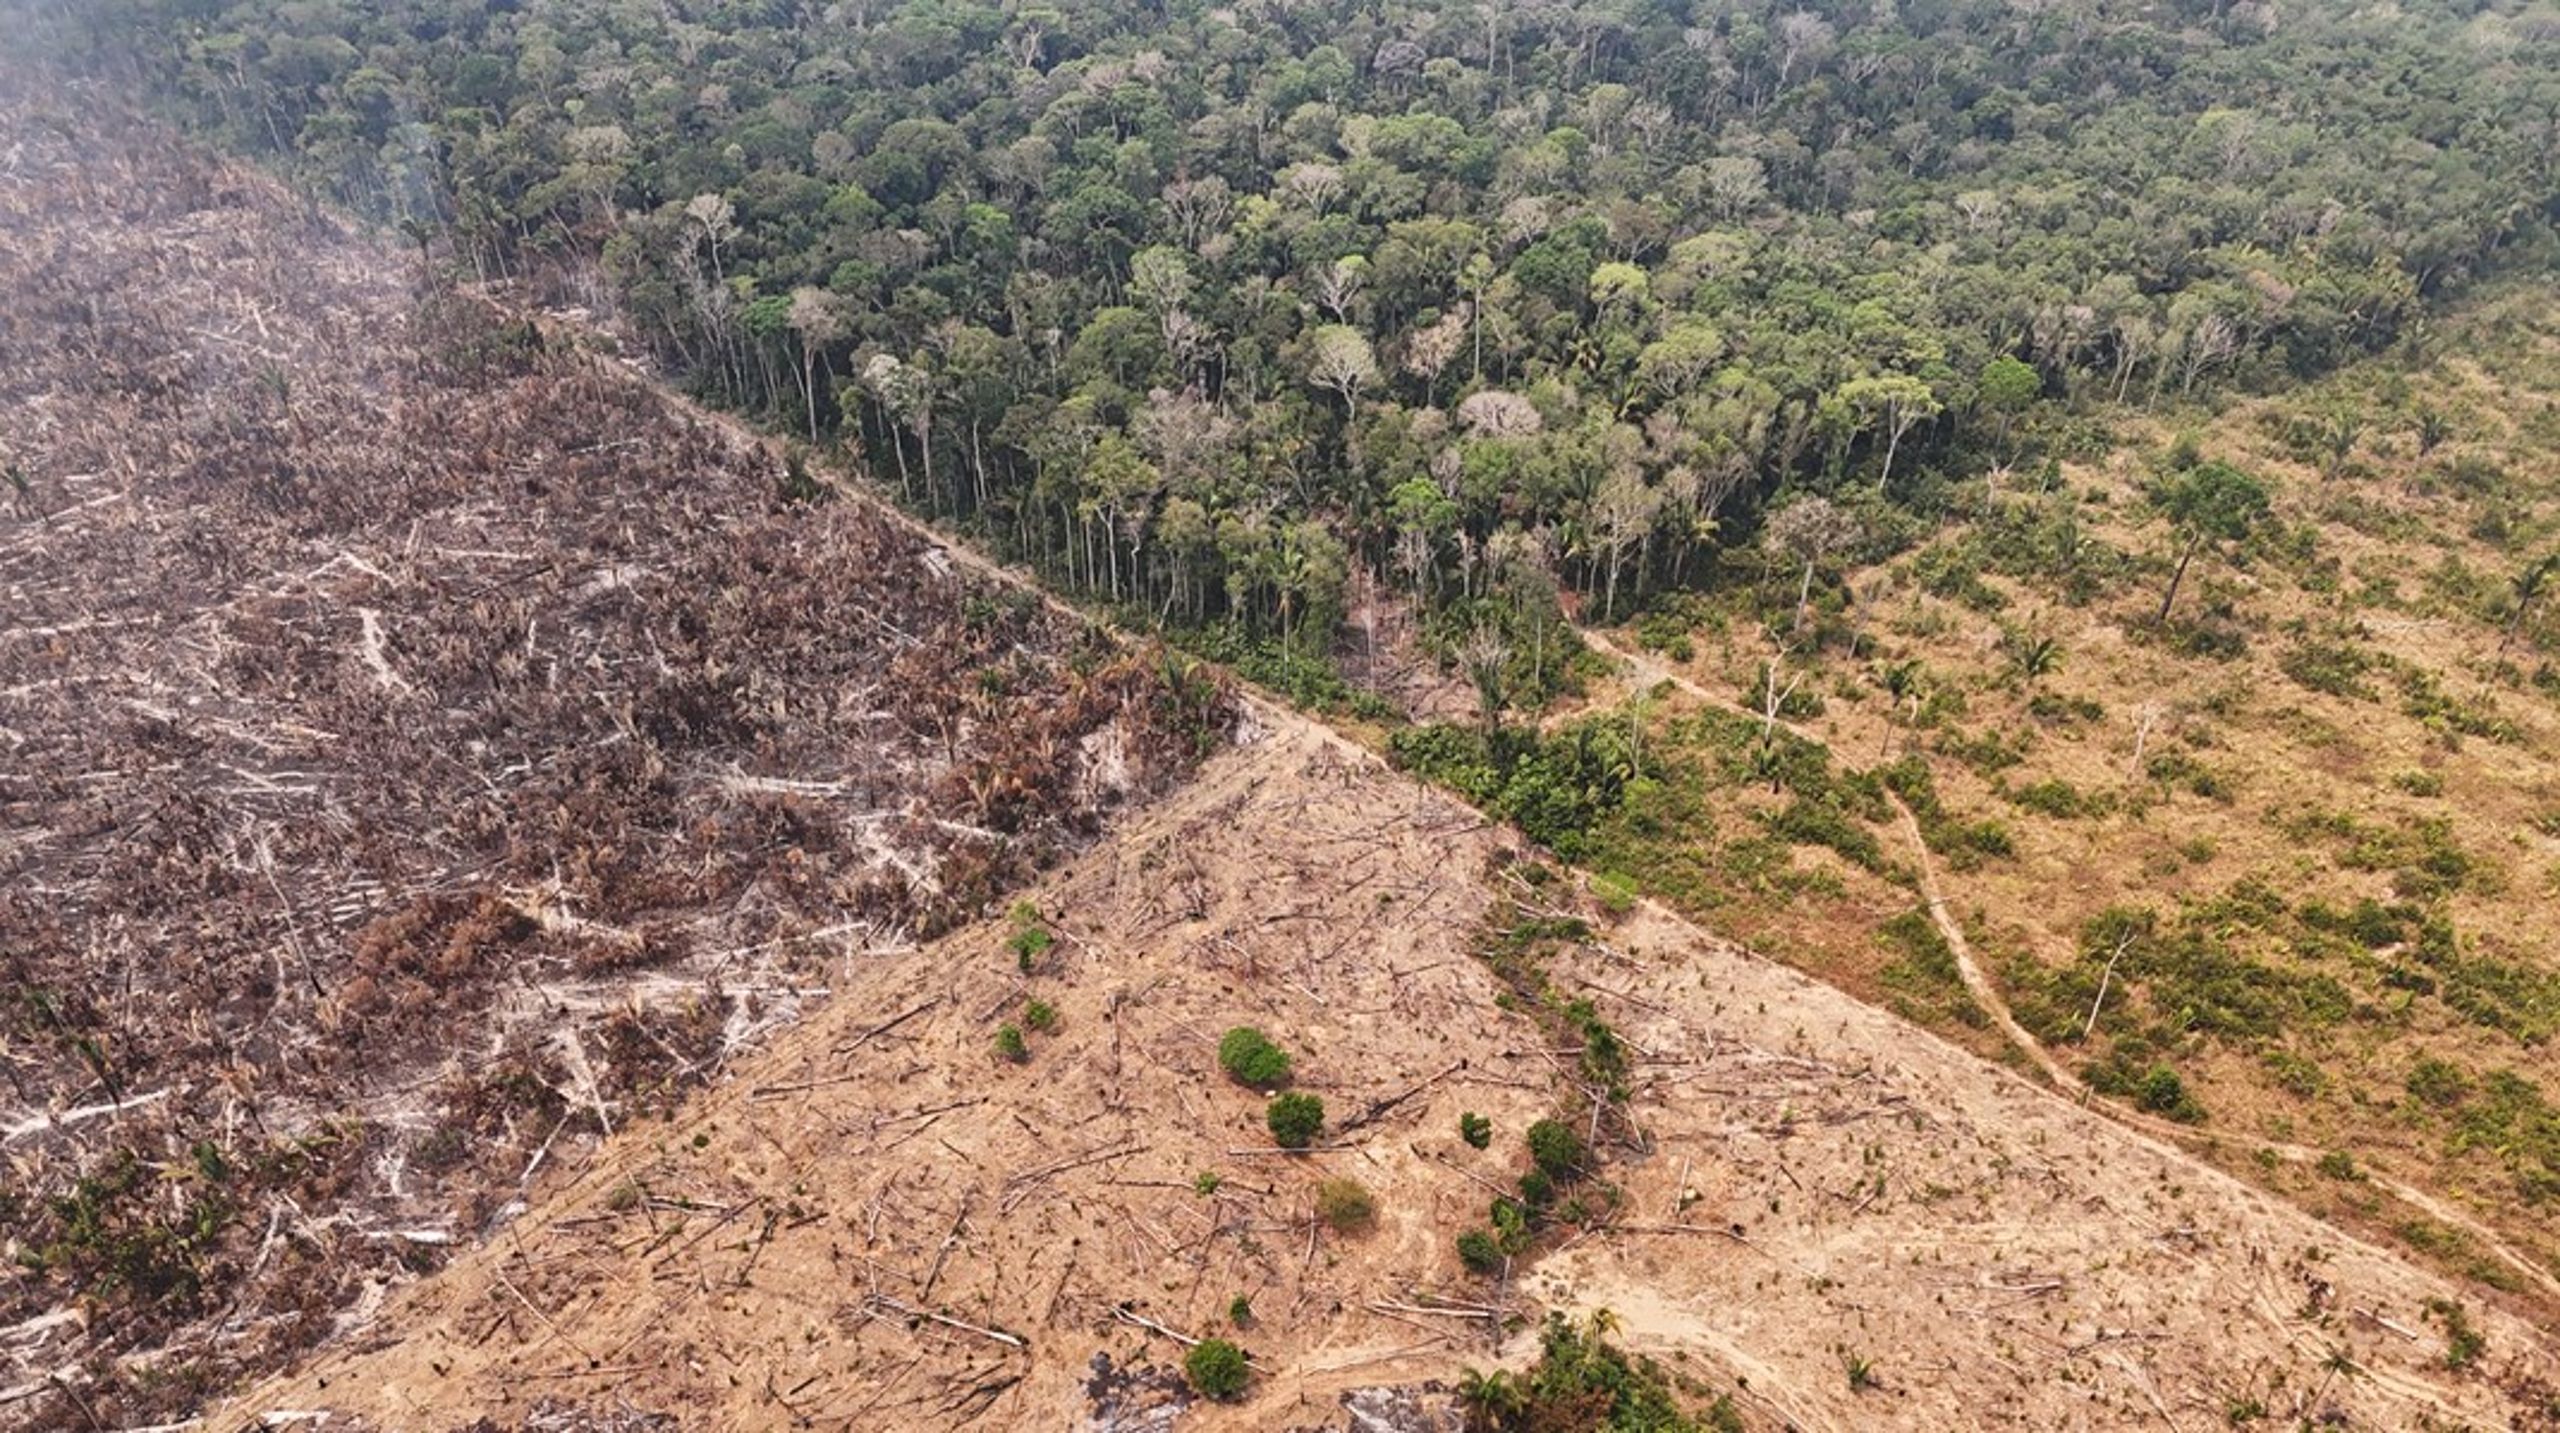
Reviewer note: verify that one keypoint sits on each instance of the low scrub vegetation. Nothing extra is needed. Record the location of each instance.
(1250, 1059)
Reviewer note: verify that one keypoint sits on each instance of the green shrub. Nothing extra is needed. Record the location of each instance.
(1556, 787)
(1557, 1150)
(2054, 797)
(1925, 978)
(1216, 1369)
(1976, 839)
(2439, 1083)
(1240, 1311)
(2512, 1118)
(1294, 1119)
(1604, 1055)
(1249, 1058)
(1040, 1015)
(1581, 1381)
(2296, 1075)
(1009, 1043)
(1346, 1205)
(2420, 783)
(2331, 667)
(1478, 1251)
(2163, 1093)
(1804, 822)
(1475, 1129)
(1030, 939)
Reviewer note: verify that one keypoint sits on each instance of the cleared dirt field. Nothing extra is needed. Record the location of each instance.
(422, 749)
(1813, 1181)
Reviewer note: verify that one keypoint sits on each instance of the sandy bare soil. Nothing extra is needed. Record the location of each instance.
(1819, 1182)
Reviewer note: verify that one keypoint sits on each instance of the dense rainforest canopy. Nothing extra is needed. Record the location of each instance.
(1205, 308)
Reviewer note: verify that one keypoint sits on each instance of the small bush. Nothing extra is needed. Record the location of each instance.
(2294, 1074)
(2332, 667)
(1475, 1129)
(1240, 1311)
(1249, 1058)
(1346, 1205)
(2439, 1083)
(2054, 797)
(1040, 1015)
(2163, 1093)
(2420, 783)
(1205, 1183)
(1478, 1251)
(1294, 1120)
(1009, 1043)
(1030, 939)
(1557, 1150)
(1216, 1369)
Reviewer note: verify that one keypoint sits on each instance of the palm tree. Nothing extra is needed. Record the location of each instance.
(1492, 1400)
(2032, 655)
(2529, 585)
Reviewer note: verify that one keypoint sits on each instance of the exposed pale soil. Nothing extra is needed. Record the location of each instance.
(1823, 1181)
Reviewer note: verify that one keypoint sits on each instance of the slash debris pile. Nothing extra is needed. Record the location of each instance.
(422, 745)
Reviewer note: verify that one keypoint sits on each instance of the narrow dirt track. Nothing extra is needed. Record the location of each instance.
(1976, 984)
(1648, 673)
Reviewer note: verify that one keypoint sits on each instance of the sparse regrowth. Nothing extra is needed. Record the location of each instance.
(1475, 1129)
(1582, 1381)
(1040, 1015)
(1010, 1044)
(2463, 1341)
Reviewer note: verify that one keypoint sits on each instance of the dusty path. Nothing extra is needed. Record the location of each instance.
(1823, 1177)
(1648, 672)
(1846, 1142)
(1976, 984)
(1988, 997)
(1645, 672)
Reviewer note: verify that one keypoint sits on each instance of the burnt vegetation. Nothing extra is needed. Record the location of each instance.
(423, 746)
